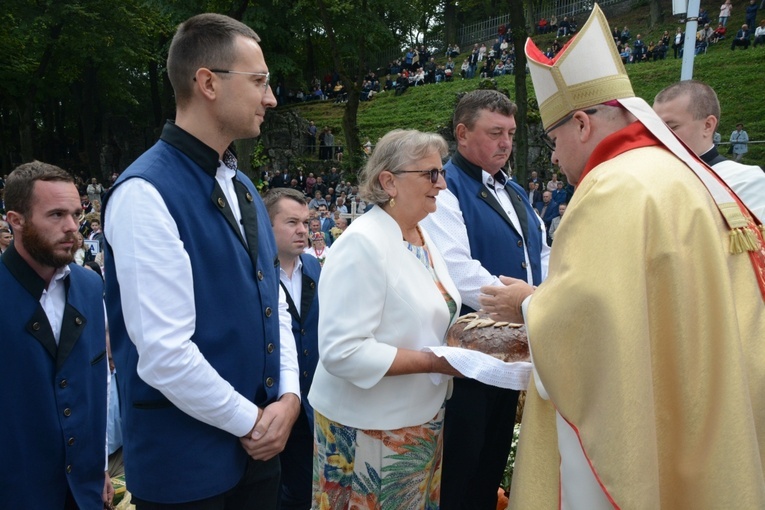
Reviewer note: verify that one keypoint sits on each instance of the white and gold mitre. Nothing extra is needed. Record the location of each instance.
(587, 71)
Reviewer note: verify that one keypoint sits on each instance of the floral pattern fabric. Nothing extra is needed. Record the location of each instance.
(356, 469)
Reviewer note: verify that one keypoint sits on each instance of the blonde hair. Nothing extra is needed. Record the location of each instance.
(395, 150)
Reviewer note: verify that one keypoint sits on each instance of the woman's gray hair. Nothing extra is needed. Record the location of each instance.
(394, 151)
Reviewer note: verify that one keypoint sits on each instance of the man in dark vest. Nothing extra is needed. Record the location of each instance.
(484, 227)
(54, 365)
(200, 330)
(299, 275)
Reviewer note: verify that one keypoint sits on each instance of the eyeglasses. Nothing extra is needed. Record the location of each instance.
(434, 173)
(545, 136)
(264, 84)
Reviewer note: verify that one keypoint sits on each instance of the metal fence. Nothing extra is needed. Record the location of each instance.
(487, 30)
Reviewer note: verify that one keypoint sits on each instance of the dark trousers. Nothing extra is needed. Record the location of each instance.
(297, 467)
(478, 432)
(258, 488)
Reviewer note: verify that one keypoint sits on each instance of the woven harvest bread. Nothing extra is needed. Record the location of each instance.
(503, 340)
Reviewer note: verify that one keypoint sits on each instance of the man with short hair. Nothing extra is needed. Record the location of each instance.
(742, 38)
(341, 224)
(691, 109)
(299, 277)
(95, 232)
(484, 227)
(5, 239)
(54, 365)
(653, 308)
(547, 208)
(534, 195)
(556, 222)
(326, 223)
(200, 329)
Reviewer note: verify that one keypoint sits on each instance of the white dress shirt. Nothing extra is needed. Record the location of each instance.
(53, 300)
(294, 283)
(448, 230)
(155, 278)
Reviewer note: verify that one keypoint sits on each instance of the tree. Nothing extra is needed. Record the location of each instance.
(657, 13)
(518, 28)
(354, 32)
(70, 67)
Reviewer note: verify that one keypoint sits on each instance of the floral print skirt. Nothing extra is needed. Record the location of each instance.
(356, 469)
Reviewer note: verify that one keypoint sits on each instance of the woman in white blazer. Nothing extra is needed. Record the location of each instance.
(378, 411)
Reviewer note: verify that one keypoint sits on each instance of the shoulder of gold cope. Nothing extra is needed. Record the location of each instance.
(473, 320)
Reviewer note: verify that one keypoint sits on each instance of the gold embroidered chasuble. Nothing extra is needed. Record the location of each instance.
(649, 338)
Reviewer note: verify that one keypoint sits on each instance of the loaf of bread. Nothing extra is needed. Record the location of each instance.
(503, 340)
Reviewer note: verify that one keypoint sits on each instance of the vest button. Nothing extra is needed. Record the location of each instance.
(221, 203)
(305, 373)
(524, 265)
(36, 326)
(69, 468)
(312, 285)
(269, 381)
(268, 311)
(302, 332)
(520, 244)
(248, 196)
(260, 275)
(67, 412)
(305, 352)
(63, 384)
(484, 194)
(71, 441)
(270, 348)
(78, 321)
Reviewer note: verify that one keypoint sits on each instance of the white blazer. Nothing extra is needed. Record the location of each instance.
(375, 296)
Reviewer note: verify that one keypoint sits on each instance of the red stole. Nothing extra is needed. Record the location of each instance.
(636, 135)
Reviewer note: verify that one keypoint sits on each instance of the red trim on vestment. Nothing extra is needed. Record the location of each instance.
(635, 136)
(535, 54)
(594, 473)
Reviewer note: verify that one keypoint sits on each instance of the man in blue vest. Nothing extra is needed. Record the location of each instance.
(53, 367)
(484, 227)
(200, 330)
(299, 275)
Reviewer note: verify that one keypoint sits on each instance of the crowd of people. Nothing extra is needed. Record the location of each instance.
(259, 352)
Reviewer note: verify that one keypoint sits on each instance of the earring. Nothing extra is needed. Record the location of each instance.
(392, 202)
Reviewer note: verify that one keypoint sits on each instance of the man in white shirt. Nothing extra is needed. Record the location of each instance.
(199, 327)
(299, 277)
(484, 227)
(691, 109)
(54, 352)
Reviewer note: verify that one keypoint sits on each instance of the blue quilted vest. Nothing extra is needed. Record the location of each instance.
(169, 454)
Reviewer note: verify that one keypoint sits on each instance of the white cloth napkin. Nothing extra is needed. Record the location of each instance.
(483, 367)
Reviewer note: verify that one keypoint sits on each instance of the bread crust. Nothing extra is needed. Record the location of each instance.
(504, 340)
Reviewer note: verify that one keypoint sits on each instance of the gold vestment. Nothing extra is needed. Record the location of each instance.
(649, 338)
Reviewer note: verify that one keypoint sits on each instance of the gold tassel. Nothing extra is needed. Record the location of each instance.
(762, 230)
(735, 241)
(751, 241)
(743, 239)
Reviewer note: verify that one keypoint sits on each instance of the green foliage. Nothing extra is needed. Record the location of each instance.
(259, 156)
(507, 476)
(733, 75)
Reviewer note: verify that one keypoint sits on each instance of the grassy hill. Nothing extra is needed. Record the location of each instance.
(735, 75)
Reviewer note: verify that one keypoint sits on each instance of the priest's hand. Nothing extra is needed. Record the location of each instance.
(269, 435)
(504, 303)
